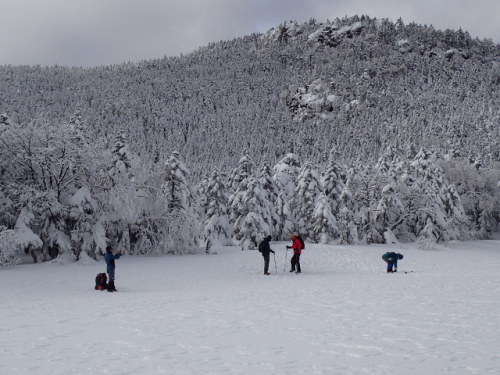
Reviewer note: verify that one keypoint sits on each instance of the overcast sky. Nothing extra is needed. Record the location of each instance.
(102, 32)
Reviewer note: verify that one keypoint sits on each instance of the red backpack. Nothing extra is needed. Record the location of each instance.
(101, 281)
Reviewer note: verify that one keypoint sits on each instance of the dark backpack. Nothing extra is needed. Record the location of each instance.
(261, 246)
(101, 281)
(302, 242)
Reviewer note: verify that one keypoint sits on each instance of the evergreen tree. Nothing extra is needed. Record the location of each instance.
(325, 224)
(250, 214)
(286, 173)
(272, 192)
(285, 218)
(305, 198)
(430, 185)
(217, 229)
(122, 160)
(332, 183)
(243, 171)
(348, 209)
(389, 214)
(176, 186)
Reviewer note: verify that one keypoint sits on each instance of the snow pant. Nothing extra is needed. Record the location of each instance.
(391, 266)
(111, 281)
(295, 262)
(111, 274)
(266, 263)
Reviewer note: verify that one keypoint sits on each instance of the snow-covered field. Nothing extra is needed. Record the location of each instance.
(218, 314)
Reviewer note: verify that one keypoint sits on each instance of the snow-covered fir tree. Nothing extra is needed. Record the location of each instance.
(432, 224)
(325, 223)
(389, 215)
(217, 229)
(332, 183)
(244, 170)
(176, 184)
(284, 213)
(286, 172)
(272, 192)
(122, 159)
(305, 198)
(347, 213)
(250, 213)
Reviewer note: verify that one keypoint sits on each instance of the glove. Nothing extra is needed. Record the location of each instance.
(272, 251)
(288, 247)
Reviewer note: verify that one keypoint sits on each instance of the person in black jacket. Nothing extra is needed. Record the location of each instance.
(265, 249)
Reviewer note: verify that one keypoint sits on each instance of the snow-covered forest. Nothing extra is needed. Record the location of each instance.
(357, 130)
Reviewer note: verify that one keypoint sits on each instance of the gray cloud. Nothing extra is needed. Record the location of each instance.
(100, 32)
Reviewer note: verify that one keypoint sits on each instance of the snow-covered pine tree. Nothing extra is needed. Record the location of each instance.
(364, 184)
(237, 180)
(389, 215)
(458, 222)
(479, 192)
(332, 183)
(271, 190)
(432, 224)
(347, 213)
(239, 174)
(87, 232)
(217, 229)
(24, 237)
(304, 200)
(286, 224)
(325, 223)
(390, 163)
(250, 213)
(176, 186)
(122, 160)
(183, 231)
(286, 172)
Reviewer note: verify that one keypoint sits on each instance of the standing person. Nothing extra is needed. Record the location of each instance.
(392, 261)
(109, 257)
(265, 249)
(297, 246)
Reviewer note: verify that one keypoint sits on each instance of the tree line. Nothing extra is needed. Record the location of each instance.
(63, 194)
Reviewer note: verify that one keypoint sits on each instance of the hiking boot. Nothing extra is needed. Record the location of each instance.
(266, 273)
(298, 272)
(292, 270)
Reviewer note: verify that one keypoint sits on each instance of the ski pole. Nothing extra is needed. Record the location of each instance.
(284, 266)
(275, 266)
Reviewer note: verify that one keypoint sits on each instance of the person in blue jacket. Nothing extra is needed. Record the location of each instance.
(392, 261)
(109, 257)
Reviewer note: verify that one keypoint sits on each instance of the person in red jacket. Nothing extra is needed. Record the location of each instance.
(297, 247)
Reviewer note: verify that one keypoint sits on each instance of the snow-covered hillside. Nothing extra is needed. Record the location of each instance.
(218, 314)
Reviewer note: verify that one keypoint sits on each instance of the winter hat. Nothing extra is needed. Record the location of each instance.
(400, 256)
(269, 238)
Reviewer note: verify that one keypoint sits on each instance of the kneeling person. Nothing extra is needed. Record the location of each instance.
(392, 261)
